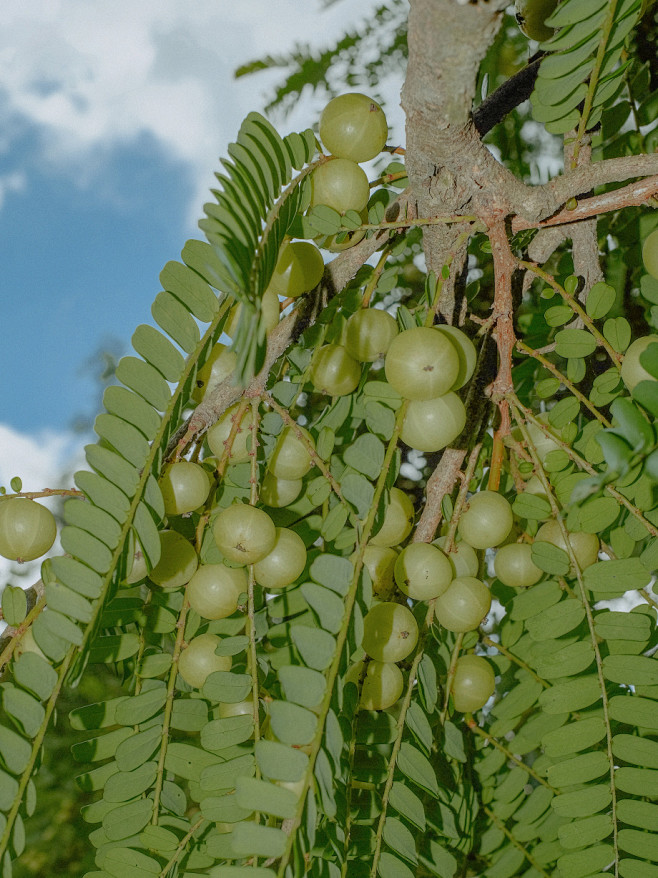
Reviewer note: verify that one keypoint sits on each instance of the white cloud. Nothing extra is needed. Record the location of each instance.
(41, 461)
(91, 76)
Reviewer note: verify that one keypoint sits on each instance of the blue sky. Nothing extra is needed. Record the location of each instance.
(113, 117)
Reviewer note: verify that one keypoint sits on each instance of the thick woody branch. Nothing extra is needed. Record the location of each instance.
(559, 190)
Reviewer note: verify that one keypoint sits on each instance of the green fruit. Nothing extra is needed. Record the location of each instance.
(353, 126)
(334, 371)
(390, 632)
(382, 684)
(298, 270)
(178, 561)
(585, 547)
(473, 684)
(218, 434)
(422, 571)
(463, 557)
(421, 363)
(199, 660)
(214, 590)
(270, 309)
(531, 15)
(369, 333)
(514, 566)
(138, 569)
(398, 520)
(291, 458)
(220, 364)
(432, 424)
(486, 521)
(465, 351)
(340, 184)
(277, 492)
(244, 534)
(650, 253)
(463, 605)
(284, 563)
(185, 486)
(632, 371)
(27, 529)
(380, 563)
(236, 708)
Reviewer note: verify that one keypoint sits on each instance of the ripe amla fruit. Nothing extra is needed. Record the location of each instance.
(585, 547)
(390, 632)
(486, 521)
(398, 520)
(27, 529)
(531, 15)
(353, 126)
(340, 184)
(244, 534)
(422, 571)
(473, 684)
(421, 363)
(432, 424)
(185, 486)
(334, 371)
(514, 566)
(198, 660)
(214, 590)
(650, 253)
(382, 684)
(632, 371)
(463, 605)
(369, 333)
(220, 364)
(298, 270)
(178, 561)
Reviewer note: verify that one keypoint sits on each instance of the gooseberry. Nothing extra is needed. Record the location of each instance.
(650, 253)
(390, 632)
(340, 184)
(398, 520)
(632, 371)
(277, 492)
(178, 561)
(473, 684)
(220, 364)
(185, 486)
(298, 270)
(463, 605)
(432, 424)
(422, 571)
(369, 333)
(218, 434)
(214, 590)
(382, 684)
(486, 521)
(353, 126)
(421, 363)
(463, 557)
(585, 547)
(334, 371)
(465, 351)
(27, 529)
(514, 566)
(284, 562)
(198, 660)
(244, 534)
(291, 458)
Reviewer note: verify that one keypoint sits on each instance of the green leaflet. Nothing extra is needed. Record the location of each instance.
(568, 74)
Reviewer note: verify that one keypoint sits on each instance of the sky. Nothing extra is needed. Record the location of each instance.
(113, 116)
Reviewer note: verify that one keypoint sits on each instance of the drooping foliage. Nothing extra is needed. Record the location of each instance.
(271, 765)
